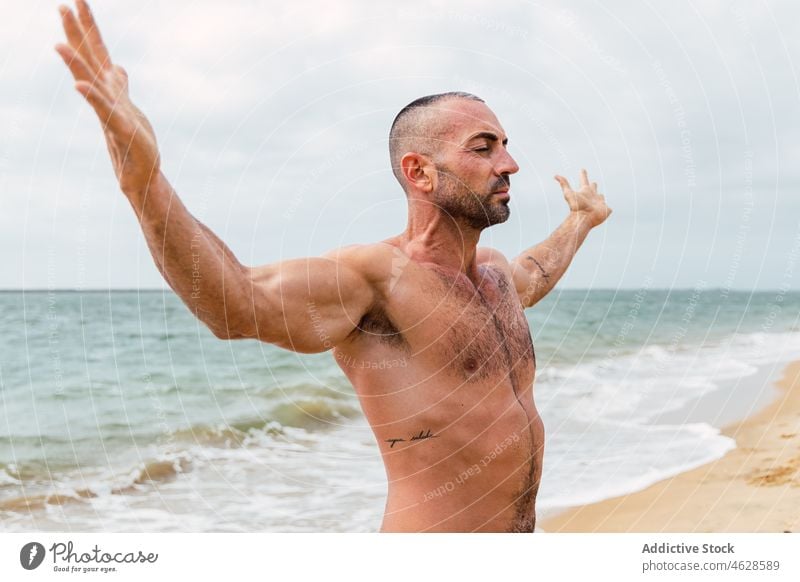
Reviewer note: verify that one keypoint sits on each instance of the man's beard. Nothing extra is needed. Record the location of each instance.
(463, 205)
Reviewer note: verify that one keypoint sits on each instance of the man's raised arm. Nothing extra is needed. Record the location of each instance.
(536, 270)
(307, 305)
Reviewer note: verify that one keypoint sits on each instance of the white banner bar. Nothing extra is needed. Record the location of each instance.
(400, 557)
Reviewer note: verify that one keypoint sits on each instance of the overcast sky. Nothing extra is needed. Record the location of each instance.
(272, 119)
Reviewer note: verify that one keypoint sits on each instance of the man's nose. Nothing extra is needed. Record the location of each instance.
(507, 165)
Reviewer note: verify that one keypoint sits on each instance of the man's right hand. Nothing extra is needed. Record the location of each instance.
(305, 305)
(130, 137)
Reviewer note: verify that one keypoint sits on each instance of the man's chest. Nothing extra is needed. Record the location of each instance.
(476, 331)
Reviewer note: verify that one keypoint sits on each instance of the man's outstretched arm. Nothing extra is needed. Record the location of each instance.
(305, 304)
(537, 270)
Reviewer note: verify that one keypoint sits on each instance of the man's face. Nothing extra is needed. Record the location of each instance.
(473, 165)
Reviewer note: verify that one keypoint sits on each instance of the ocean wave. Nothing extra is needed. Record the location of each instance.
(28, 503)
(8, 476)
(138, 479)
(232, 435)
(657, 379)
(315, 412)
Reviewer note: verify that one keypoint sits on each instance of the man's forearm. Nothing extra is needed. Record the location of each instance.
(547, 262)
(198, 266)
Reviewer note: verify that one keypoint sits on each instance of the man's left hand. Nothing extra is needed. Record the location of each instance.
(586, 201)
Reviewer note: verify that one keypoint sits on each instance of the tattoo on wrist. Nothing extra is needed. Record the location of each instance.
(418, 437)
(544, 273)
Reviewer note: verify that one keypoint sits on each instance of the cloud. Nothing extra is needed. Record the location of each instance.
(267, 113)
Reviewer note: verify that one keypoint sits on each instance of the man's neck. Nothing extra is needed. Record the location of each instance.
(442, 240)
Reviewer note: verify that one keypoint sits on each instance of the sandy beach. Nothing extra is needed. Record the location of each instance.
(753, 488)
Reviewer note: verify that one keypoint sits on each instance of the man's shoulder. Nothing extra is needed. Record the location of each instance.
(372, 260)
(490, 256)
(360, 252)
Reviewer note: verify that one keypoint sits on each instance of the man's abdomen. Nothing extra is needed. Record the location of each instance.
(478, 471)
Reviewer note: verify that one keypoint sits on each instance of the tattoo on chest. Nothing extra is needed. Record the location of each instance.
(415, 437)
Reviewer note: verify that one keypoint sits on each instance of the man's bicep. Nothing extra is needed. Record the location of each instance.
(307, 305)
(525, 282)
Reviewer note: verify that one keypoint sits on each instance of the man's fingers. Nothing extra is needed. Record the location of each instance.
(584, 178)
(75, 62)
(109, 117)
(564, 184)
(93, 34)
(77, 38)
(594, 187)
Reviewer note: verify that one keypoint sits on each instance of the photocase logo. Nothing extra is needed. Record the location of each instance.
(31, 555)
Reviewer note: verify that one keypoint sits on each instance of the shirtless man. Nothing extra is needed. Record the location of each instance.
(429, 327)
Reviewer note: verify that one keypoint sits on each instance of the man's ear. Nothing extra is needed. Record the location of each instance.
(418, 171)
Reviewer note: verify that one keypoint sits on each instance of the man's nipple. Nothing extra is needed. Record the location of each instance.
(470, 365)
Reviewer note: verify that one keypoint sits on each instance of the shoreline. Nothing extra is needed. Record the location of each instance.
(753, 488)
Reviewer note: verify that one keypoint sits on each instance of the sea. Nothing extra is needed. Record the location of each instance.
(120, 412)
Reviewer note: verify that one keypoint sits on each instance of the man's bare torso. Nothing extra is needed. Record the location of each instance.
(444, 370)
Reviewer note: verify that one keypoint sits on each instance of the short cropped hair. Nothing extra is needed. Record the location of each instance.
(413, 126)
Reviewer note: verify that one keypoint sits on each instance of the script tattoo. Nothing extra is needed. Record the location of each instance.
(417, 437)
(421, 436)
(544, 273)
